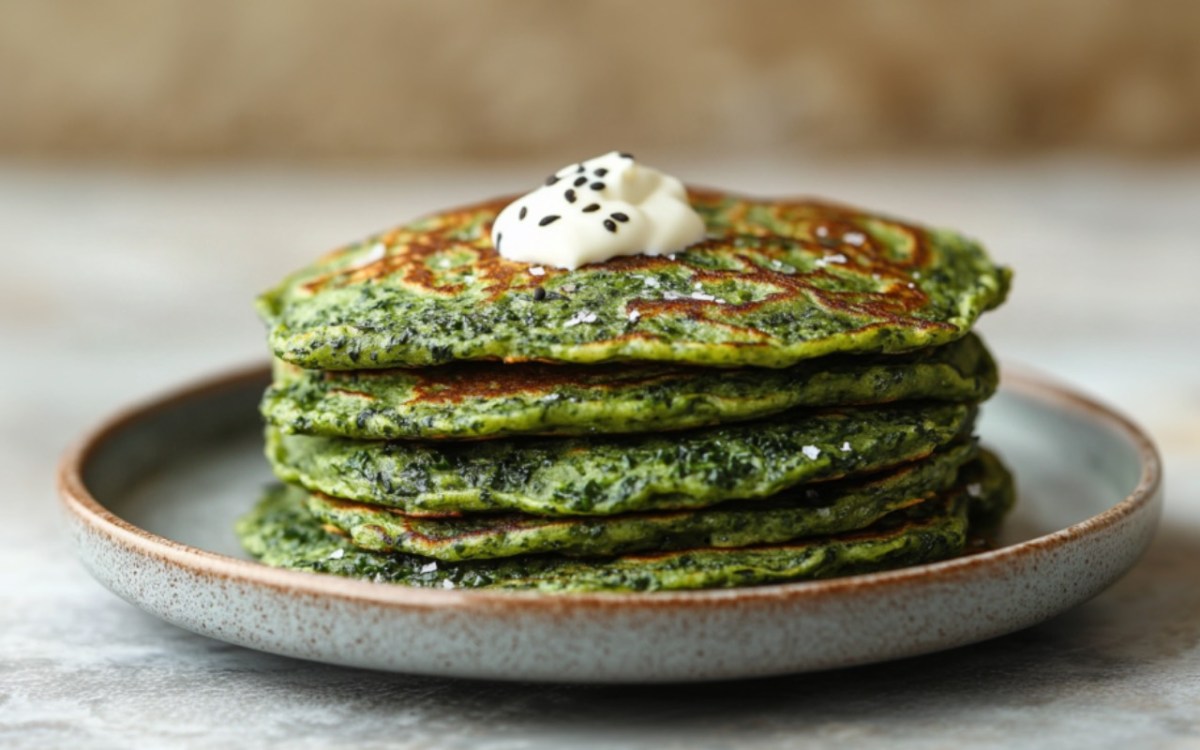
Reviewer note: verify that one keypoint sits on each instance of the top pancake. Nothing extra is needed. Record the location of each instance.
(775, 283)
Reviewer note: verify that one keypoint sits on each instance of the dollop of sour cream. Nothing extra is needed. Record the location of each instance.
(596, 210)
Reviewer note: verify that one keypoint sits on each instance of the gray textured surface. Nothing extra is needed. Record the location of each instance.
(119, 284)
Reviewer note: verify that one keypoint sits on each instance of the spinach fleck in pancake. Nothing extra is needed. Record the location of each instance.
(281, 532)
(812, 510)
(607, 475)
(775, 283)
(473, 400)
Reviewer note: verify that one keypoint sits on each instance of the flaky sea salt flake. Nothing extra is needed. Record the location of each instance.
(835, 258)
(584, 316)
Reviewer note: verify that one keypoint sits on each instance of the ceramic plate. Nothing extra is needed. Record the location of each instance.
(152, 497)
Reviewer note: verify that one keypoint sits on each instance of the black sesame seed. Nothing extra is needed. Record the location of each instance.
(610, 225)
(619, 216)
(591, 207)
(580, 181)
(539, 294)
(597, 186)
(601, 172)
(579, 168)
(524, 210)
(570, 195)
(551, 179)
(625, 155)
(548, 220)
(499, 236)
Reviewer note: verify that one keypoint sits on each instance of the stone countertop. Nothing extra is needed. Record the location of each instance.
(121, 283)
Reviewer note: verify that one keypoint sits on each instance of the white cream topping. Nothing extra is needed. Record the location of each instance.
(596, 210)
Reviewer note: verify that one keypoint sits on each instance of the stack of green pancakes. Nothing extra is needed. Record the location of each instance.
(791, 398)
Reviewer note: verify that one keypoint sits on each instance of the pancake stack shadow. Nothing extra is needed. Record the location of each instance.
(792, 399)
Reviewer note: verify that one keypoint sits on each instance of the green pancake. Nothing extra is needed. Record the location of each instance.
(775, 282)
(814, 510)
(604, 476)
(281, 532)
(473, 400)
(991, 490)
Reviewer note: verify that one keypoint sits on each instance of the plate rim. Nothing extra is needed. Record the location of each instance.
(81, 505)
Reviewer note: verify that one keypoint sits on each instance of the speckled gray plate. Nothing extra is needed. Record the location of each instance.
(151, 498)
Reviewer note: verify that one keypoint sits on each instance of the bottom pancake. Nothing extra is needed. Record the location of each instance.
(282, 532)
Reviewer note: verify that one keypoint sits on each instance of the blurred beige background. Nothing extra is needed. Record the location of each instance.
(374, 80)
